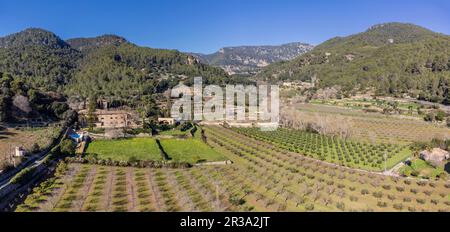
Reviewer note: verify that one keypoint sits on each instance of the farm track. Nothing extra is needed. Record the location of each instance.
(156, 194)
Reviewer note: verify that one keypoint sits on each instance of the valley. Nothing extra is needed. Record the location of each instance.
(364, 126)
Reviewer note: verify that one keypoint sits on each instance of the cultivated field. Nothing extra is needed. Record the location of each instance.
(373, 127)
(190, 150)
(124, 149)
(263, 177)
(344, 152)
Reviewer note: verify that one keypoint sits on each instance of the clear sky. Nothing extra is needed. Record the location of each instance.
(207, 25)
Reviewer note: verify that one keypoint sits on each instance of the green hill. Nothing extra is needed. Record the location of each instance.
(35, 63)
(40, 57)
(394, 58)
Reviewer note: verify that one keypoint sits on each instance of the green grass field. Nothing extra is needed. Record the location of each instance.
(181, 150)
(122, 150)
(174, 133)
(190, 150)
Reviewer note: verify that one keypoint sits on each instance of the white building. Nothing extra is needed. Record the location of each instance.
(19, 152)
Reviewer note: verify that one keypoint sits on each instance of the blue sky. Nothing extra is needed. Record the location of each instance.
(207, 25)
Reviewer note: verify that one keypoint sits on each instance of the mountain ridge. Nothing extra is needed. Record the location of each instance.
(88, 43)
(392, 58)
(248, 59)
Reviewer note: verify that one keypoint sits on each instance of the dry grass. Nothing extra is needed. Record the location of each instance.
(10, 138)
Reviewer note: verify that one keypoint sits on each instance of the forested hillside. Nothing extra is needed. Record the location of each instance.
(393, 58)
(40, 57)
(38, 61)
(126, 70)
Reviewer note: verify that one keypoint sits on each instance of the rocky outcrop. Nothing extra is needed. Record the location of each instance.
(436, 157)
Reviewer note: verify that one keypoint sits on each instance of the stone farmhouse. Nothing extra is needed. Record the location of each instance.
(109, 119)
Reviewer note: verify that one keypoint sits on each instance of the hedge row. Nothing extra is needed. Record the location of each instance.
(137, 164)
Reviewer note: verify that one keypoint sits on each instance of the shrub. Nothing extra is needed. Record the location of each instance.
(309, 207)
(398, 206)
(236, 200)
(23, 176)
(35, 148)
(67, 147)
(420, 201)
(186, 126)
(377, 194)
(440, 115)
(382, 204)
(340, 205)
(434, 201)
(5, 165)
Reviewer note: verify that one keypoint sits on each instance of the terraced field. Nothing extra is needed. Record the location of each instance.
(263, 177)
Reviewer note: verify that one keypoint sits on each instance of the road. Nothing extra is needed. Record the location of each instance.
(30, 163)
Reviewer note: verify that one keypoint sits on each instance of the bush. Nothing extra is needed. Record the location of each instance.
(136, 163)
(35, 148)
(23, 176)
(67, 147)
(193, 131)
(5, 165)
(186, 126)
(236, 200)
(309, 207)
(398, 206)
(440, 116)
(61, 169)
(429, 117)
(382, 204)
